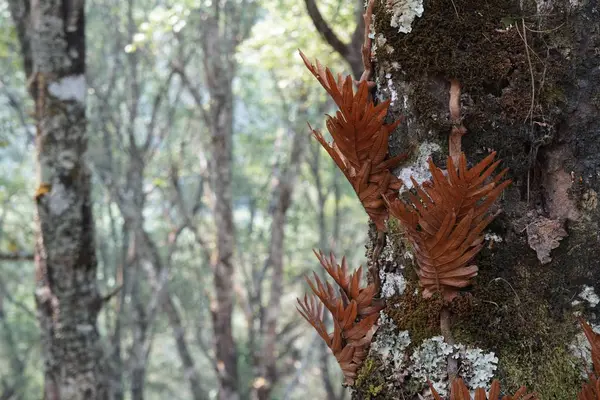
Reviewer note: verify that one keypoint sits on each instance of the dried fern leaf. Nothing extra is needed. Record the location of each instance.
(591, 390)
(460, 391)
(354, 310)
(360, 141)
(445, 220)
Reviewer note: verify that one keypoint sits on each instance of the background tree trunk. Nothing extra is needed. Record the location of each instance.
(53, 44)
(530, 91)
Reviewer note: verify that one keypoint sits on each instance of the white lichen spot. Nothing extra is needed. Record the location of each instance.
(69, 88)
(379, 42)
(391, 89)
(391, 346)
(492, 237)
(67, 159)
(391, 284)
(588, 294)
(404, 13)
(543, 6)
(419, 171)
(58, 202)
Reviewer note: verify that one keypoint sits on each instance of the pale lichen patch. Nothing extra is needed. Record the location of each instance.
(392, 284)
(391, 346)
(430, 361)
(69, 88)
(58, 200)
(588, 294)
(391, 88)
(419, 171)
(404, 13)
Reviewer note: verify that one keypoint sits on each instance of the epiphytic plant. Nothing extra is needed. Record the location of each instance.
(354, 310)
(591, 390)
(460, 391)
(445, 220)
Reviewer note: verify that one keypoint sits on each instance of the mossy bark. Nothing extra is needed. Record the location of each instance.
(530, 91)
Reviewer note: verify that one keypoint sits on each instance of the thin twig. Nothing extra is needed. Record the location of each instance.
(524, 37)
(455, 9)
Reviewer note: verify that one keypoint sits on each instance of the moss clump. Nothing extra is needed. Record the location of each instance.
(411, 312)
(369, 382)
(554, 373)
(521, 310)
(493, 48)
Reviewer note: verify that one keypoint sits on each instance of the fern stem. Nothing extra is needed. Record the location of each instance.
(445, 327)
(458, 129)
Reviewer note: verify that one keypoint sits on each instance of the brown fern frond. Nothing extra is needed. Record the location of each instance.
(354, 310)
(460, 391)
(445, 220)
(360, 141)
(591, 390)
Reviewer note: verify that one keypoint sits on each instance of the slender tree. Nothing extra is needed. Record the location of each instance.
(52, 37)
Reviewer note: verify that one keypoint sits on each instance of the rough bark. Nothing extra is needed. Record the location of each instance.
(529, 90)
(53, 44)
(219, 70)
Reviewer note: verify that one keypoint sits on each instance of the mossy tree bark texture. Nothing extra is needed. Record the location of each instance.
(52, 39)
(529, 76)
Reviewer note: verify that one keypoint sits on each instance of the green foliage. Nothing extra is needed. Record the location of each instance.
(269, 108)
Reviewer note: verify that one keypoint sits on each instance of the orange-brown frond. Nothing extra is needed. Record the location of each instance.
(460, 391)
(445, 220)
(354, 310)
(360, 141)
(591, 390)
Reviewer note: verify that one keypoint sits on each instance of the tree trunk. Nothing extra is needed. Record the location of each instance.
(280, 203)
(530, 83)
(67, 298)
(219, 73)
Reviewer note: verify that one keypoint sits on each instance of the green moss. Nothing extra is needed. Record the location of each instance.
(554, 374)
(369, 381)
(517, 308)
(521, 311)
(482, 45)
(412, 313)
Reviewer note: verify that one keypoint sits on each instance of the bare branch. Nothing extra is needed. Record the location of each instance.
(19, 256)
(324, 29)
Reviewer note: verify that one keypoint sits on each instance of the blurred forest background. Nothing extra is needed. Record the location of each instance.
(153, 75)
